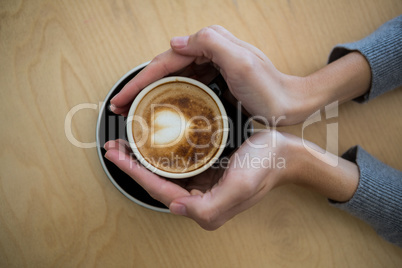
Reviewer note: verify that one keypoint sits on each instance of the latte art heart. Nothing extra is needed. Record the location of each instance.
(168, 127)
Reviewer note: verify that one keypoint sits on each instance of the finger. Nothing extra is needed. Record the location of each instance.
(218, 48)
(118, 144)
(162, 65)
(159, 188)
(221, 30)
(120, 110)
(196, 192)
(124, 145)
(208, 43)
(213, 208)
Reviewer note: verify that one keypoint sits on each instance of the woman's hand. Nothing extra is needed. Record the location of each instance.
(276, 98)
(265, 161)
(217, 195)
(250, 75)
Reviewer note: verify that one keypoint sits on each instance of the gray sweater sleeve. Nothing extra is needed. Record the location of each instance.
(378, 198)
(383, 51)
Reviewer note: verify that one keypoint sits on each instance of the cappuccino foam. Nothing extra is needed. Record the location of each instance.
(177, 127)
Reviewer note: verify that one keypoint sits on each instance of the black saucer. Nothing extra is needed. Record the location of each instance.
(111, 127)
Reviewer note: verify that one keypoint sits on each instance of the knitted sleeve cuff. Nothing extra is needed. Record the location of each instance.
(378, 198)
(383, 51)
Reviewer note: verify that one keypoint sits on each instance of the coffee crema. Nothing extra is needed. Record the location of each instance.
(177, 127)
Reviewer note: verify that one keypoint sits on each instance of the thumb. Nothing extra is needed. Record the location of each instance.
(197, 207)
(213, 208)
(179, 42)
(210, 44)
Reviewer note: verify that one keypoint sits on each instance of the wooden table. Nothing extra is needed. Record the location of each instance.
(57, 207)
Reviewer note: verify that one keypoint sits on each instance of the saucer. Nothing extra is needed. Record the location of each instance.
(111, 126)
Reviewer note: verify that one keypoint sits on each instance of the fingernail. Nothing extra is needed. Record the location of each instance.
(112, 107)
(178, 209)
(107, 155)
(179, 41)
(106, 145)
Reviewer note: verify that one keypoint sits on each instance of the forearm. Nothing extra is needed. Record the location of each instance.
(342, 80)
(358, 184)
(311, 170)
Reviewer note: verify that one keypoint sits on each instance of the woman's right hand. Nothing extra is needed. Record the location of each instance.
(252, 78)
(276, 98)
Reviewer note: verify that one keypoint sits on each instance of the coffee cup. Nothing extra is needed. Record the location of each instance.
(177, 127)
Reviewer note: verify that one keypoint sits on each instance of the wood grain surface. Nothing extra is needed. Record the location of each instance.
(58, 208)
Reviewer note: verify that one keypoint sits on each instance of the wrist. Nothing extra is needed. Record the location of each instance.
(342, 80)
(301, 98)
(289, 150)
(337, 181)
